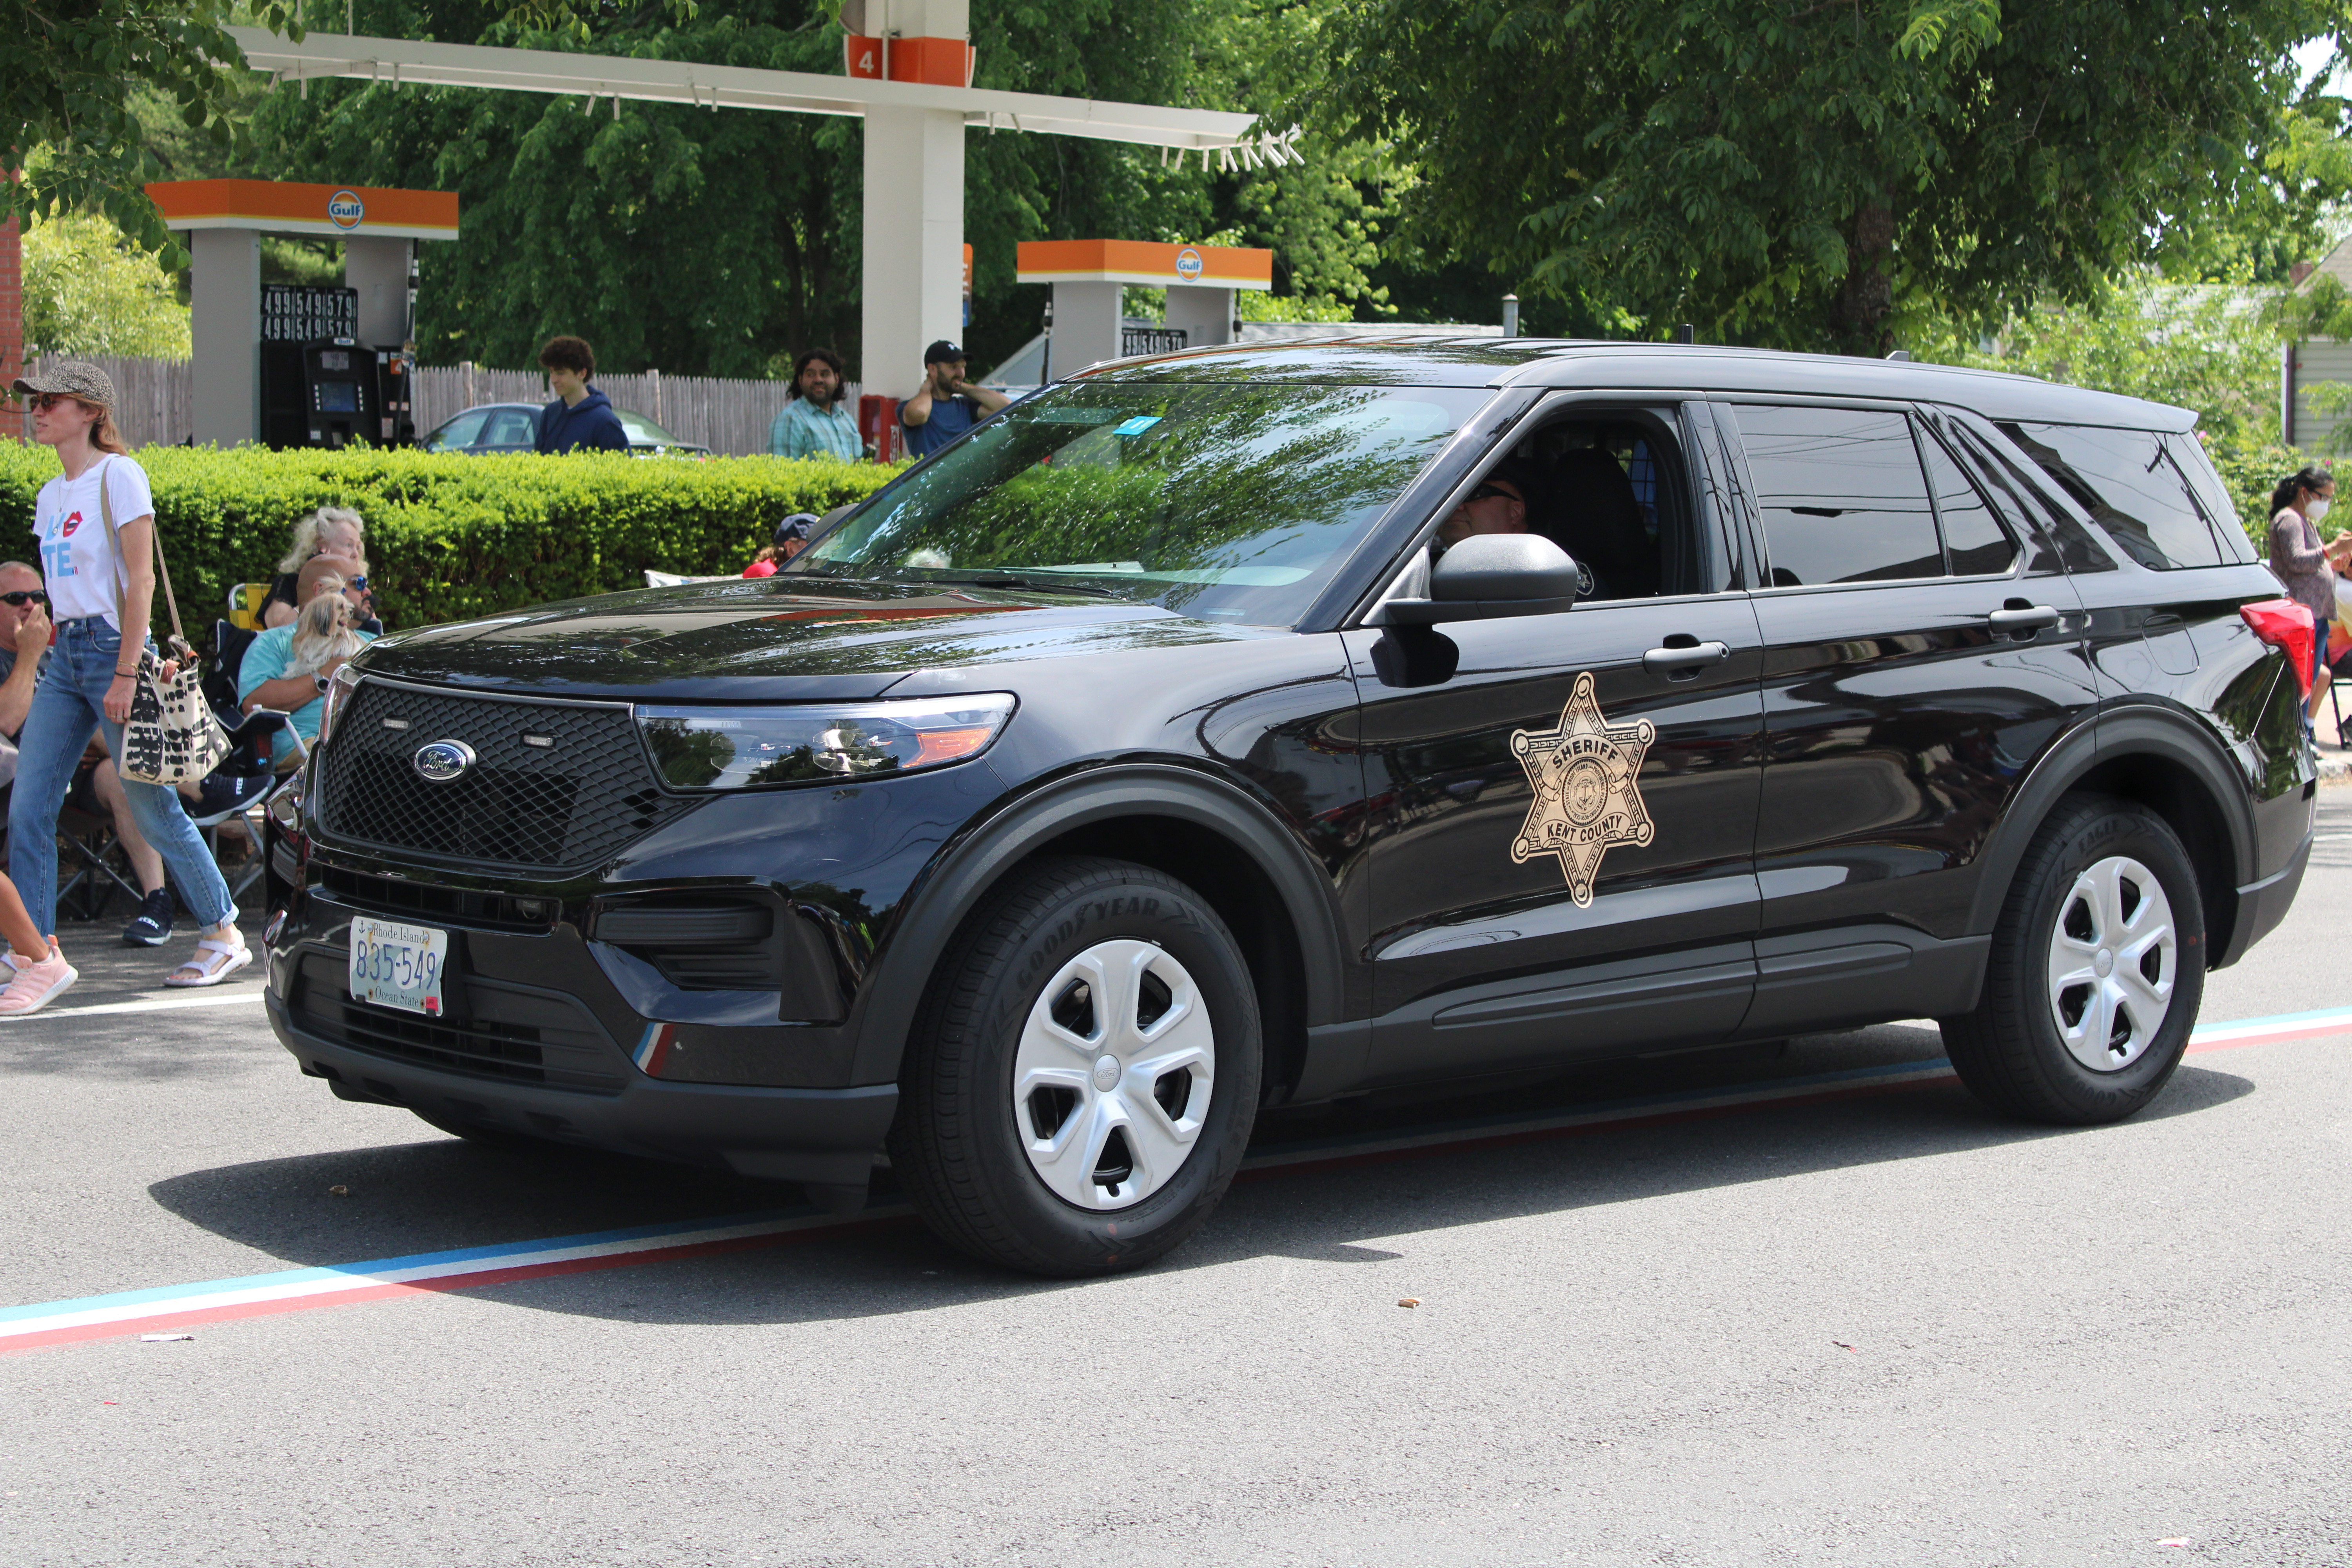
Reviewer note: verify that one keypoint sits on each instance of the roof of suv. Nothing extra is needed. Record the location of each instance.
(1637, 367)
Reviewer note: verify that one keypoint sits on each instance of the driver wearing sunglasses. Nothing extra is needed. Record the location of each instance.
(1498, 504)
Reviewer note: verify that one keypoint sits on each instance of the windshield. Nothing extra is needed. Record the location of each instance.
(644, 432)
(1229, 502)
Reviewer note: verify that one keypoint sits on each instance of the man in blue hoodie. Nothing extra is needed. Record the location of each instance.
(581, 416)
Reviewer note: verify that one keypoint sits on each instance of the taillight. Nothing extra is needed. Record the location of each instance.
(2287, 627)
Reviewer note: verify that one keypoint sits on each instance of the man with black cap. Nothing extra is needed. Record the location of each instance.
(948, 405)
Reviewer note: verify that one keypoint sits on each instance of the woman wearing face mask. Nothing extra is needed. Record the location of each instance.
(2297, 555)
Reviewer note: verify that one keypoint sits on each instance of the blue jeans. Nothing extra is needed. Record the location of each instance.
(68, 704)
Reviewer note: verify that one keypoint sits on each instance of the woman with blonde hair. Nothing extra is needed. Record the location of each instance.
(335, 530)
(101, 592)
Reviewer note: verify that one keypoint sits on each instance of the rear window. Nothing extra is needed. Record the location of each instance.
(2221, 508)
(2130, 488)
(1840, 494)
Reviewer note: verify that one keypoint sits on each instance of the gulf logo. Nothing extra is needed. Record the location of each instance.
(1188, 264)
(345, 209)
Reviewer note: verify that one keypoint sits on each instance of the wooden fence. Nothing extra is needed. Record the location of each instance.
(156, 400)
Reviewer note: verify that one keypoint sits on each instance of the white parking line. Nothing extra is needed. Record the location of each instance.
(192, 998)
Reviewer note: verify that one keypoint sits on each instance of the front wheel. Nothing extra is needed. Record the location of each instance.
(1082, 1076)
(2097, 971)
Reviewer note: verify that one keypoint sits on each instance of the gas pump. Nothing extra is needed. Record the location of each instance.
(320, 385)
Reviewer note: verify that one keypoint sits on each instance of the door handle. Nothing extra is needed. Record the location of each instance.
(1667, 660)
(2021, 617)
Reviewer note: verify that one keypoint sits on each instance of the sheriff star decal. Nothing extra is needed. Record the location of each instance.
(1583, 774)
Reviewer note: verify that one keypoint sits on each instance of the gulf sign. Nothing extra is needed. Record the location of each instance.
(290, 206)
(1144, 262)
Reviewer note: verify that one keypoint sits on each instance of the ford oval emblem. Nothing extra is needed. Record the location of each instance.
(441, 761)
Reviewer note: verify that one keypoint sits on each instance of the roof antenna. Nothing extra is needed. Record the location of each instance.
(1901, 356)
(1686, 333)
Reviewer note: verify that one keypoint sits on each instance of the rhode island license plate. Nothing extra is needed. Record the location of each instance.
(397, 965)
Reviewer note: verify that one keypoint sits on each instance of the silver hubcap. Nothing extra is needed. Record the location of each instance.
(1112, 1080)
(2113, 959)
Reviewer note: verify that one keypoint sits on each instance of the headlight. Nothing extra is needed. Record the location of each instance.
(744, 748)
(339, 692)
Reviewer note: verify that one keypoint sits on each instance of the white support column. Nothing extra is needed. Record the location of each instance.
(225, 326)
(1085, 325)
(913, 275)
(1205, 313)
(378, 269)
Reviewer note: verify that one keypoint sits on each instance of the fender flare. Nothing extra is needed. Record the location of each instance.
(955, 884)
(2138, 728)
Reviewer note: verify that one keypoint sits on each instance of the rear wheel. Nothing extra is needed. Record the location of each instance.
(1083, 1076)
(2097, 971)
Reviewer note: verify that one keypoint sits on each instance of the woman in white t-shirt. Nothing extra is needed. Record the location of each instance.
(88, 682)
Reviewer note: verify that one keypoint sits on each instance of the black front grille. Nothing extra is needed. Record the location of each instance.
(552, 784)
(463, 906)
(494, 1030)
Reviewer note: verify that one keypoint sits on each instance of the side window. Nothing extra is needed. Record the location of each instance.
(512, 428)
(1611, 487)
(1976, 543)
(1840, 494)
(2042, 519)
(2129, 486)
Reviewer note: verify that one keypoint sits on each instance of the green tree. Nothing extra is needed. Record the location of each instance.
(88, 291)
(1803, 175)
(74, 69)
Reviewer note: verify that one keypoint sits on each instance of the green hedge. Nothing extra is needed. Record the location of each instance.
(452, 536)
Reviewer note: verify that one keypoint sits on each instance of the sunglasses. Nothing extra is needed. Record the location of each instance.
(23, 597)
(359, 580)
(45, 401)
(1487, 492)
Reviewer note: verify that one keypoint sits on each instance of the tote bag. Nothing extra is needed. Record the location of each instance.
(173, 737)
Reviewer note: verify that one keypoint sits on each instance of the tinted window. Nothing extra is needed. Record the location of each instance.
(2129, 486)
(1228, 501)
(2038, 518)
(1840, 495)
(458, 432)
(2221, 508)
(1974, 540)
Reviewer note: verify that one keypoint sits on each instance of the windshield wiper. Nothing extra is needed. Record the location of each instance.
(1007, 580)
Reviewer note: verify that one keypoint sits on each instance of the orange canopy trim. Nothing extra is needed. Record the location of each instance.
(1143, 261)
(285, 206)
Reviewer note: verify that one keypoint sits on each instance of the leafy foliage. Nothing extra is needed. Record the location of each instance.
(88, 291)
(1801, 174)
(452, 536)
(73, 67)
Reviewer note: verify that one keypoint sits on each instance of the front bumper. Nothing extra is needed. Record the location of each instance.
(822, 1135)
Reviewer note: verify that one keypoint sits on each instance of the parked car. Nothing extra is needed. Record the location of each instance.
(1140, 761)
(514, 427)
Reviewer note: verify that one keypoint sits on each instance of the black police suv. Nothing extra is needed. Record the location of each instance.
(1259, 726)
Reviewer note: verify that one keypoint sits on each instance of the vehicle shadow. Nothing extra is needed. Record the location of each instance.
(442, 1194)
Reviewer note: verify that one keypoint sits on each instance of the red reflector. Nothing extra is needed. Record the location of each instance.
(2285, 626)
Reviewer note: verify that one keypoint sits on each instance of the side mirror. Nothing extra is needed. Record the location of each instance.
(1492, 574)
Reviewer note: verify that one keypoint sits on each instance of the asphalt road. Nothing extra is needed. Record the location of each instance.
(1863, 1323)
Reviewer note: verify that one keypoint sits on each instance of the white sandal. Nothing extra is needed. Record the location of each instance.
(200, 971)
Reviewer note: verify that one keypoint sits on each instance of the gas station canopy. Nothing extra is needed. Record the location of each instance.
(282, 207)
(1089, 276)
(224, 220)
(911, 282)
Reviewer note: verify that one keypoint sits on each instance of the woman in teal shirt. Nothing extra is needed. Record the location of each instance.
(814, 422)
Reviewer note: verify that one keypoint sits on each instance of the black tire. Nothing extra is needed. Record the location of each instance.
(2011, 1051)
(957, 1147)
